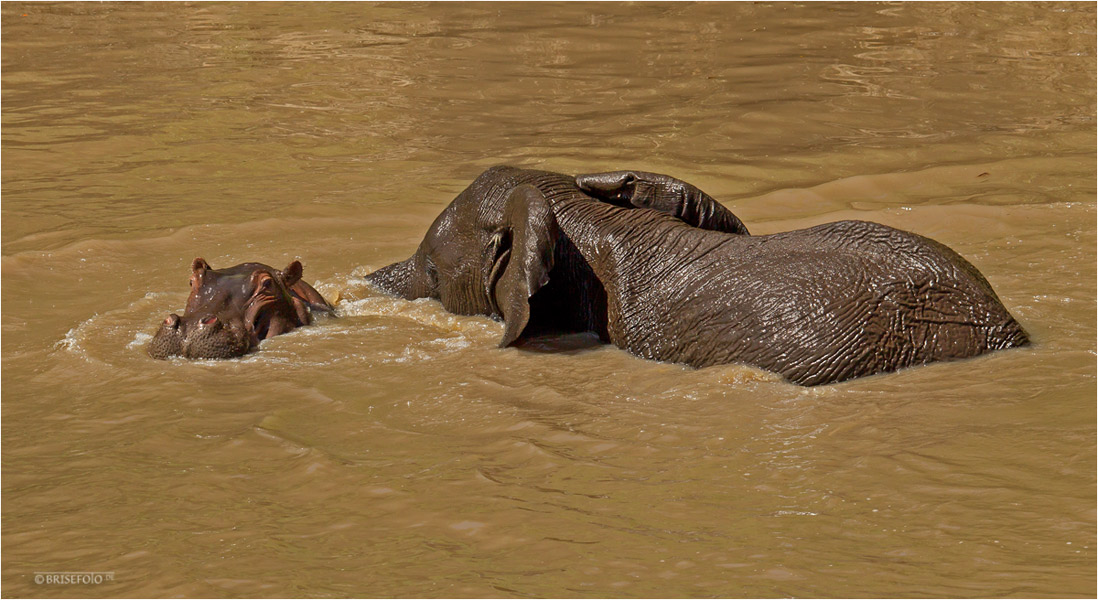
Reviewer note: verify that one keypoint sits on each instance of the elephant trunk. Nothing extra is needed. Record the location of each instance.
(663, 193)
(399, 279)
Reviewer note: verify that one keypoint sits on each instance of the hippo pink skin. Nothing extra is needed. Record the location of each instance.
(231, 310)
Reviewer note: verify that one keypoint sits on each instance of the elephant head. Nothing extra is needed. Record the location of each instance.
(229, 311)
(491, 254)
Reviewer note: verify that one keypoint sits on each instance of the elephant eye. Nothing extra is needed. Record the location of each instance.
(500, 237)
(432, 272)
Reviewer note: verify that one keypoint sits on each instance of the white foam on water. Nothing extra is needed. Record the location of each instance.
(139, 340)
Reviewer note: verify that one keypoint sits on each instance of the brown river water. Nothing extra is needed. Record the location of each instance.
(394, 450)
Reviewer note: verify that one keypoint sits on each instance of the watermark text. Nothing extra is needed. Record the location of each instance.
(73, 577)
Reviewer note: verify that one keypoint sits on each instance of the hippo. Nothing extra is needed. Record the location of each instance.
(229, 311)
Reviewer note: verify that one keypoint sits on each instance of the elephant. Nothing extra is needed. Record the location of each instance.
(660, 269)
(229, 311)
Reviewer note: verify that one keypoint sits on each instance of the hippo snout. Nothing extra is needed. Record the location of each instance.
(199, 337)
(168, 341)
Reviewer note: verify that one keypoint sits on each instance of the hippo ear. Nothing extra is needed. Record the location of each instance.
(292, 273)
(523, 256)
(198, 268)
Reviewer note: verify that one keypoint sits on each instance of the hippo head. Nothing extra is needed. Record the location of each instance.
(231, 310)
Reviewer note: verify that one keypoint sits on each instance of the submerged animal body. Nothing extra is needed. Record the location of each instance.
(229, 311)
(657, 267)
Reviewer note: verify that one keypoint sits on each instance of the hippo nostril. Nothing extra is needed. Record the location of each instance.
(209, 320)
(172, 321)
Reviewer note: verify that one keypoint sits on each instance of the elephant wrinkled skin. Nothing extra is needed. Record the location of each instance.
(657, 267)
(229, 311)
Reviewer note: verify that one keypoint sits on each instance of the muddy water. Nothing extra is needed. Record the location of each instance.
(394, 451)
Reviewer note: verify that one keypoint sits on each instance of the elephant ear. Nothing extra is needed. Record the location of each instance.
(522, 256)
